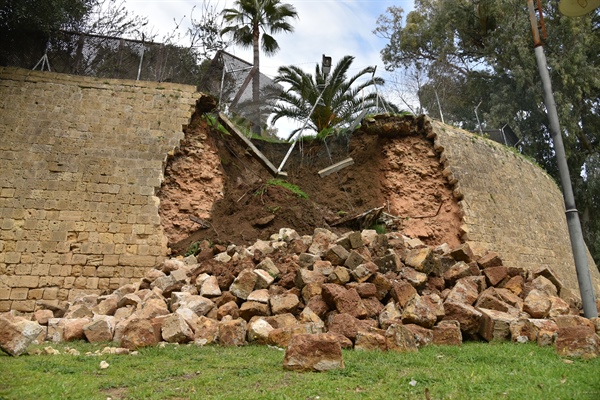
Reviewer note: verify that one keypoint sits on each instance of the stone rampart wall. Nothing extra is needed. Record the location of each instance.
(80, 161)
(510, 205)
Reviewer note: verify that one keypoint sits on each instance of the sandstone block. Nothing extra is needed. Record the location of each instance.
(17, 334)
(495, 325)
(347, 325)
(73, 328)
(345, 301)
(389, 315)
(261, 296)
(307, 260)
(311, 290)
(263, 279)
(489, 260)
(336, 255)
(537, 304)
(232, 333)
(244, 284)
(400, 339)
(457, 271)
(108, 306)
(463, 253)
(176, 330)
(414, 277)
(421, 259)
(306, 276)
(230, 308)
(258, 331)
(340, 276)
(466, 315)
(56, 329)
(43, 316)
(354, 259)
(578, 341)
(495, 275)
(100, 330)
(447, 333)
(251, 309)
(464, 291)
(268, 265)
(138, 333)
(418, 311)
(402, 292)
(207, 331)
(210, 287)
(370, 341)
(389, 262)
(423, 336)
(319, 352)
(284, 303)
(382, 284)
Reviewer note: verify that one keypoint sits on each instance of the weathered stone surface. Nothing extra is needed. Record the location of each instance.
(544, 285)
(340, 276)
(42, 316)
(309, 316)
(370, 341)
(364, 271)
(490, 299)
(230, 308)
(414, 277)
(198, 304)
(322, 238)
(232, 332)
(261, 295)
(495, 325)
(306, 276)
(515, 284)
(152, 308)
(79, 311)
(366, 289)
(322, 267)
(421, 259)
(489, 260)
(399, 338)
(74, 328)
(311, 290)
(457, 271)
(447, 333)
(100, 330)
(495, 275)
(320, 352)
(402, 292)
(382, 284)
(423, 336)
(389, 262)
(354, 259)
(345, 301)
(418, 311)
(347, 325)
(336, 255)
(578, 341)
(268, 265)
(243, 285)
(206, 331)
(282, 321)
(464, 291)
(251, 309)
(56, 329)
(281, 337)
(389, 315)
(549, 274)
(258, 331)
(138, 333)
(463, 253)
(566, 321)
(558, 307)
(284, 303)
(466, 315)
(176, 330)
(16, 334)
(307, 260)
(107, 306)
(210, 287)
(318, 305)
(537, 304)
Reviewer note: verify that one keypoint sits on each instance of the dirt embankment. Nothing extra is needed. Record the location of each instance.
(214, 189)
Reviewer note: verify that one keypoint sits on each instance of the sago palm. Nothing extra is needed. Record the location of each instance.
(246, 21)
(343, 98)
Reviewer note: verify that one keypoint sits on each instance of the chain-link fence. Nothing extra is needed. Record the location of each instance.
(103, 56)
(230, 79)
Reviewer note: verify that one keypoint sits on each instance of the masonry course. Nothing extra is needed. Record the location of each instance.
(80, 161)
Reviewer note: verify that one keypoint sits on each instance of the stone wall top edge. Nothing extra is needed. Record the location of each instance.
(21, 74)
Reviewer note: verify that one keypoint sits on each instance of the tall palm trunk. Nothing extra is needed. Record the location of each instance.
(256, 80)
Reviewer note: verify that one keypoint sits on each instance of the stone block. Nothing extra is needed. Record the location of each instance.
(400, 339)
(447, 333)
(16, 334)
(232, 332)
(320, 352)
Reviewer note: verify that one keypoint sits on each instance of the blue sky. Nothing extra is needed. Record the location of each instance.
(332, 27)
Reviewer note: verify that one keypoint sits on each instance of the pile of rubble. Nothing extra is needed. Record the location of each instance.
(365, 290)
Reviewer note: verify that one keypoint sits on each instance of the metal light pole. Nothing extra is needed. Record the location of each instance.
(577, 244)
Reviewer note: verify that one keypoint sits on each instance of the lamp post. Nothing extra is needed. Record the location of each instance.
(577, 244)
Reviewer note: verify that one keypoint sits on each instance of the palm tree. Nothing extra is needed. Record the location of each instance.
(247, 20)
(342, 99)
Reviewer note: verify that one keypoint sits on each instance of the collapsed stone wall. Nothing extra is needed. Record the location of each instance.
(80, 162)
(510, 205)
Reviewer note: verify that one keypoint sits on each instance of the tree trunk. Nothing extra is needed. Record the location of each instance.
(256, 81)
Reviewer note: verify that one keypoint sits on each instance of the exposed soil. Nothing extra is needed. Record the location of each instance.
(214, 189)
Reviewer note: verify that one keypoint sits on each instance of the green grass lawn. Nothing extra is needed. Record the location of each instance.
(472, 371)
